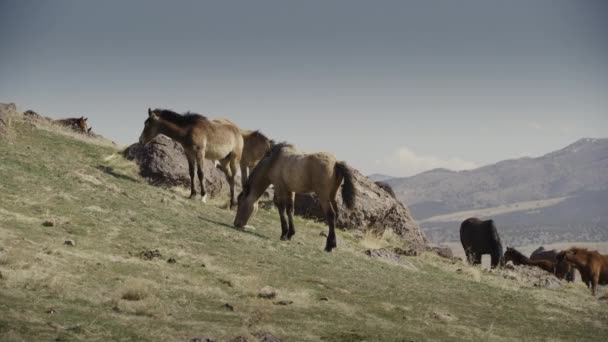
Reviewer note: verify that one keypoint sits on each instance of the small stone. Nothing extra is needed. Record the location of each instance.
(48, 223)
(283, 302)
(203, 265)
(70, 243)
(267, 292)
(324, 299)
(202, 339)
(51, 311)
(324, 234)
(229, 307)
(171, 260)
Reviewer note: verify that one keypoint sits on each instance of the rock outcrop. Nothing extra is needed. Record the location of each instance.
(162, 161)
(375, 210)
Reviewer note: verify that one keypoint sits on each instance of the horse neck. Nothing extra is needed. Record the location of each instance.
(172, 130)
(260, 181)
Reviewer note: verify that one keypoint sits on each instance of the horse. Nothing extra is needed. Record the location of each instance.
(592, 266)
(255, 146)
(518, 258)
(481, 237)
(293, 172)
(563, 270)
(77, 124)
(201, 138)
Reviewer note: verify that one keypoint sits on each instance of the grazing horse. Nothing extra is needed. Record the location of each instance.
(77, 124)
(293, 172)
(517, 258)
(481, 237)
(563, 269)
(201, 138)
(592, 266)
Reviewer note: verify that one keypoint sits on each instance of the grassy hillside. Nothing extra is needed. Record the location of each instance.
(55, 187)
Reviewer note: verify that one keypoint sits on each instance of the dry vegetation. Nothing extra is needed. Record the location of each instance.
(109, 286)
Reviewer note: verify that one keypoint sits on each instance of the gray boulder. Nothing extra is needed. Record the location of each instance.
(162, 162)
(375, 210)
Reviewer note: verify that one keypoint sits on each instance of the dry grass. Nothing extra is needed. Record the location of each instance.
(102, 290)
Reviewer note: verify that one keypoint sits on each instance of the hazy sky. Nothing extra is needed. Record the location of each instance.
(396, 87)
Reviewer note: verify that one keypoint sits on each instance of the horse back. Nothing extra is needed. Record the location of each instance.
(304, 172)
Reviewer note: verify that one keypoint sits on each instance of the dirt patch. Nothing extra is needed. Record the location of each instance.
(147, 254)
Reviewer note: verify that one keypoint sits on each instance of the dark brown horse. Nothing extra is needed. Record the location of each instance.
(480, 237)
(293, 172)
(563, 269)
(77, 124)
(592, 266)
(201, 138)
(517, 258)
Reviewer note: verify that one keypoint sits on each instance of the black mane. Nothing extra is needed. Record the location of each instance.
(266, 162)
(178, 119)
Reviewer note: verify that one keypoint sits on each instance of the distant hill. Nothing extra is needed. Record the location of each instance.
(378, 177)
(561, 195)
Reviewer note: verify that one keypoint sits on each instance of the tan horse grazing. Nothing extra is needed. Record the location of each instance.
(201, 138)
(77, 124)
(518, 258)
(592, 266)
(292, 172)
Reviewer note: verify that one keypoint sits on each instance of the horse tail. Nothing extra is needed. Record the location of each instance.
(349, 191)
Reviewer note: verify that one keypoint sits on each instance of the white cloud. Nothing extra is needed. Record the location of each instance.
(405, 162)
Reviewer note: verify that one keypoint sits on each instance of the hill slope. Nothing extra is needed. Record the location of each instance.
(523, 194)
(56, 187)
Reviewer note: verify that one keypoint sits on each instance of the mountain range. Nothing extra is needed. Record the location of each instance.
(560, 196)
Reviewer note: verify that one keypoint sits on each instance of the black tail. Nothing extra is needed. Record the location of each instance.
(349, 192)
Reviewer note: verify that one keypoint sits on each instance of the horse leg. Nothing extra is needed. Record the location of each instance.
(495, 260)
(280, 203)
(594, 282)
(290, 202)
(231, 181)
(201, 176)
(244, 174)
(191, 164)
(330, 214)
(477, 259)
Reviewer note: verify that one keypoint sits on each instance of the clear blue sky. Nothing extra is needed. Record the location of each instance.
(390, 86)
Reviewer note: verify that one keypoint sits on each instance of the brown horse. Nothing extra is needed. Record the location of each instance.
(293, 172)
(563, 269)
(518, 258)
(255, 146)
(592, 266)
(77, 124)
(201, 138)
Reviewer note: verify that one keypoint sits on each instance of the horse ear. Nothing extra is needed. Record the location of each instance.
(149, 112)
(153, 116)
(82, 118)
(89, 130)
(85, 119)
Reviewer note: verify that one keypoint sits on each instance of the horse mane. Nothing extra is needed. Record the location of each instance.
(179, 119)
(266, 162)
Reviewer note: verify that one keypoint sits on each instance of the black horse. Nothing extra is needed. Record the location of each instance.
(481, 237)
(562, 268)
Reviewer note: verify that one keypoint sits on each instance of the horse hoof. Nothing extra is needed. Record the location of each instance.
(192, 196)
(328, 249)
(284, 238)
(204, 198)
